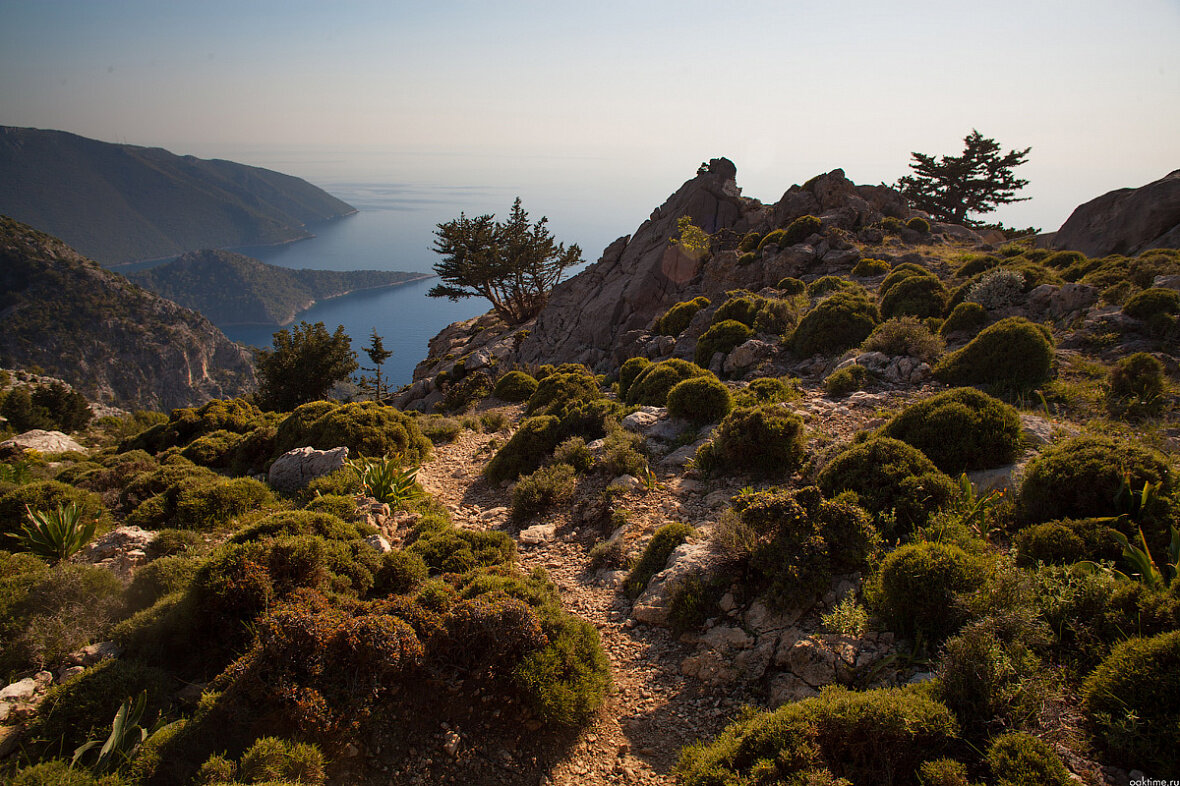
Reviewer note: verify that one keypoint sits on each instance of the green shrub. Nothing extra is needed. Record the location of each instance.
(1080, 477)
(623, 453)
(574, 452)
(964, 318)
(700, 400)
(1019, 759)
(344, 482)
(158, 578)
(293, 430)
(47, 495)
(341, 506)
(838, 323)
(1066, 541)
(57, 772)
(915, 296)
(301, 522)
(900, 273)
(767, 438)
(943, 772)
(1150, 302)
(1131, 700)
(253, 451)
(401, 572)
(655, 556)
(548, 486)
(515, 386)
(918, 224)
(652, 384)
(887, 475)
(868, 267)
(631, 368)
(370, 429)
(740, 306)
(749, 241)
(791, 286)
(800, 229)
(211, 506)
(561, 389)
(871, 738)
(1060, 260)
(918, 589)
(747, 258)
(81, 709)
(566, 680)
(526, 450)
(795, 542)
(776, 237)
(460, 395)
(974, 264)
(1011, 355)
(904, 336)
(1136, 386)
(215, 449)
(673, 321)
(766, 390)
(960, 430)
(721, 337)
(829, 284)
(846, 380)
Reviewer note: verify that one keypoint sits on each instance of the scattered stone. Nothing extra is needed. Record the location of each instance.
(451, 741)
(688, 558)
(69, 672)
(22, 690)
(378, 543)
(538, 533)
(88, 656)
(642, 419)
(296, 468)
(626, 483)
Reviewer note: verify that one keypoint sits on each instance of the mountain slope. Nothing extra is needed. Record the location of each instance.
(232, 289)
(122, 203)
(113, 340)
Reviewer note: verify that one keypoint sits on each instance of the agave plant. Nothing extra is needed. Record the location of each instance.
(1143, 565)
(55, 534)
(125, 739)
(384, 480)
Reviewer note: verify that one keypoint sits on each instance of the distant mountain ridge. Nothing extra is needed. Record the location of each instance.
(233, 289)
(122, 203)
(65, 315)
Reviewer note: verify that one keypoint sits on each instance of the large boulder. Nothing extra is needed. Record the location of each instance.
(296, 468)
(1126, 220)
(41, 441)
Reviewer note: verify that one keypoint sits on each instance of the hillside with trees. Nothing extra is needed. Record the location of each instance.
(123, 203)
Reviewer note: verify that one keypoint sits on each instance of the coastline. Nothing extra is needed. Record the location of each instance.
(311, 304)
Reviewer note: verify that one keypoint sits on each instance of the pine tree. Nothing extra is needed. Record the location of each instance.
(378, 354)
(975, 182)
(303, 366)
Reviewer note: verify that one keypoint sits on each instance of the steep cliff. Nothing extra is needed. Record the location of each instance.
(233, 289)
(122, 203)
(118, 343)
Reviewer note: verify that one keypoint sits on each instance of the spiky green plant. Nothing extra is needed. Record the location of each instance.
(384, 480)
(55, 534)
(125, 739)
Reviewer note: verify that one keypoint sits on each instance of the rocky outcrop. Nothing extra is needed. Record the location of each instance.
(1125, 221)
(296, 468)
(114, 341)
(41, 441)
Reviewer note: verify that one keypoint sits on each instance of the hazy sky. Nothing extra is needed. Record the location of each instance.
(644, 90)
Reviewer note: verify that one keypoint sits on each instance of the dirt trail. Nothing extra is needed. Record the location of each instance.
(652, 710)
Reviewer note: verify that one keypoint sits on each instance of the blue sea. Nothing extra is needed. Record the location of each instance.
(401, 199)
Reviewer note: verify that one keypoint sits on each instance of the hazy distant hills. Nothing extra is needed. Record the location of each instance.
(66, 316)
(232, 289)
(122, 203)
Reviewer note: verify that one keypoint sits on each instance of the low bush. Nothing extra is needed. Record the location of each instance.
(526, 450)
(1060, 260)
(673, 321)
(900, 273)
(887, 475)
(766, 390)
(567, 680)
(655, 556)
(206, 507)
(793, 543)
(904, 336)
(964, 318)
(292, 430)
(369, 429)
(57, 772)
(826, 285)
(460, 395)
(747, 258)
(775, 237)
(158, 578)
(268, 760)
(1081, 477)
(915, 296)
(844, 381)
(541, 490)
(740, 306)
(215, 449)
(960, 430)
(867, 267)
(918, 589)
(720, 337)
(997, 288)
(561, 389)
(1019, 759)
(301, 522)
(1150, 302)
(623, 453)
(974, 264)
(650, 387)
(515, 386)
(631, 368)
(440, 430)
(918, 224)
(401, 573)
(871, 738)
(1065, 542)
(1131, 700)
(791, 286)
(800, 229)
(574, 452)
(838, 323)
(1136, 386)
(749, 241)
(1010, 356)
(700, 400)
(767, 438)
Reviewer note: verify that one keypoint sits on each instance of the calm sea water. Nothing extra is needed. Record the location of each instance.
(401, 199)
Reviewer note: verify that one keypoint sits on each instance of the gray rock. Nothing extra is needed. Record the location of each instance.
(748, 354)
(1166, 282)
(538, 533)
(1125, 221)
(43, 442)
(680, 457)
(626, 483)
(378, 543)
(998, 479)
(19, 691)
(687, 559)
(642, 419)
(296, 468)
(786, 688)
(94, 653)
(668, 429)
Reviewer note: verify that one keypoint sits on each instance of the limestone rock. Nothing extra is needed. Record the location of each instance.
(748, 354)
(785, 688)
(121, 551)
(626, 483)
(378, 544)
(997, 479)
(538, 533)
(296, 468)
(687, 559)
(21, 690)
(1125, 221)
(42, 441)
(94, 653)
(642, 419)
